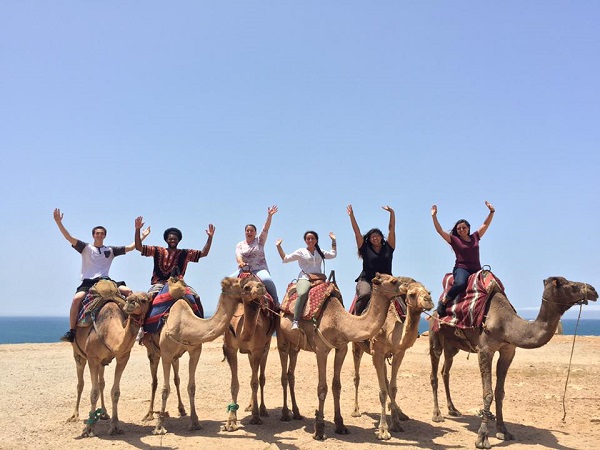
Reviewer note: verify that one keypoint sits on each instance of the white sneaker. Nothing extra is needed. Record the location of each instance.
(294, 325)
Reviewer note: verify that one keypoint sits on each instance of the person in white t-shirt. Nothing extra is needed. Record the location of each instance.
(250, 254)
(96, 260)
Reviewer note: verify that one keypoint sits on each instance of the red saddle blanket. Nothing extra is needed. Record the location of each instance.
(319, 292)
(468, 310)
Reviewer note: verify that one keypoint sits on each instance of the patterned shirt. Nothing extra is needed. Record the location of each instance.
(165, 260)
(253, 253)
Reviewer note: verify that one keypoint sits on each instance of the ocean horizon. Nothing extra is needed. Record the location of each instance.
(34, 330)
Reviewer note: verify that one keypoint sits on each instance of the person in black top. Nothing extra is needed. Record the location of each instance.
(376, 253)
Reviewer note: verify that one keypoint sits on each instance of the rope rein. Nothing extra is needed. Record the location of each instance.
(570, 360)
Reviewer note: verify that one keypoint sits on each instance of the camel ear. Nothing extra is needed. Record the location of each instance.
(403, 290)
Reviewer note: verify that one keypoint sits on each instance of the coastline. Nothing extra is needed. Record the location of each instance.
(39, 386)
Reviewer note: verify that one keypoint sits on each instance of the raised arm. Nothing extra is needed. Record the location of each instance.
(357, 234)
(145, 234)
(279, 249)
(444, 234)
(488, 220)
(210, 232)
(391, 227)
(58, 216)
(271, 210)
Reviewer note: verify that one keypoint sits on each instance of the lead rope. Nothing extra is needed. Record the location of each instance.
(569, 369)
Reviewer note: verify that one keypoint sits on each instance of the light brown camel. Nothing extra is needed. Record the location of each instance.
(250, 332)
(335, 328)
(111, 336)
(503, 332)
(392, 341)
(185, 332)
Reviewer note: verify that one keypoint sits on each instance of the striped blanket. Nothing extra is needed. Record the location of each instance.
(469, 309)
(162, 304)
(317, 296)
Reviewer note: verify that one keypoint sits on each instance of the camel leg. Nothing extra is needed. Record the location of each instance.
(167, 361)
(396, 413)
(154, 358)
(88, 431)
(194, 358)
(262, 380)
(101, 385)
(321, 394)
(485, 367)
(357, 354)
(115, 393)
(336, 388)
(177, 382)
(231, 357)
(283, 358)
(382, 432)
(435, 353)
(254, 367)
(506, 356)
(80, 363)
(292, 380)
(449, 354)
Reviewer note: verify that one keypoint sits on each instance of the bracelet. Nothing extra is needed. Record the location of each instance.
(492, 211)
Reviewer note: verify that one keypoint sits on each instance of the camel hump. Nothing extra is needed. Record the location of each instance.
(106, 289)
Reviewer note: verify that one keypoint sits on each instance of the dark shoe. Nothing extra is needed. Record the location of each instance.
(441, 309)
(69, 336)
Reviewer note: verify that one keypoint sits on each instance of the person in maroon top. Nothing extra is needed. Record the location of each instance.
(165, 259)
(466, 249)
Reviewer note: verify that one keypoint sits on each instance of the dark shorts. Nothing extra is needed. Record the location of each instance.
(87, 283)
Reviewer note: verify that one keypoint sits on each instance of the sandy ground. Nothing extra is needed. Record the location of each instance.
(38, 388)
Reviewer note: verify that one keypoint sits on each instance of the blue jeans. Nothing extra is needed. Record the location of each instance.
(461, 277)
(265, 278)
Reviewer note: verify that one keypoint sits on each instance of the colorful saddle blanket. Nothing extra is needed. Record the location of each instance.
(319, 292)
(468, 310)
(99, 294)
(268, 300)
(162, 304)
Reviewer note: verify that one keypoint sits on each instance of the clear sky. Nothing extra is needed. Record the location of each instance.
(197, 112)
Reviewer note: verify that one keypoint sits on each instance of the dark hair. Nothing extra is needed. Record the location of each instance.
(250, 225)
(367, 238)
(174, 231)
(454, 232)
(319, 251)
(99, 227)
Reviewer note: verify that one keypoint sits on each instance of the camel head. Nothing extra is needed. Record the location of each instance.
(137, 304)
(253, 291)
(386, 284)
(177, 286)
(415, 295)
(564, 293)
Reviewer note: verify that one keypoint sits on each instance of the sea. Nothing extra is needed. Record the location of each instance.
(32, 330)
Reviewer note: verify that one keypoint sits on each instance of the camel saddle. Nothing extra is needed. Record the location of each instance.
(99, 294)
(470, 308)
(319, 292)
(162, 304)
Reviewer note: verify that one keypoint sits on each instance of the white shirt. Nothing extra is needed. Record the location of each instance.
(308, 262)
(96, 261)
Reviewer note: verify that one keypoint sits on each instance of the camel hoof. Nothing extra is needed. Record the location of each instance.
(286, 418)
(115, 431)
(182, 412)
(256, 421)
(194, 426)
(158, 431)
(229, 427)
(483, 442)
(437, 418)
(319, 437)
(73, 418)
(505, 436)
(86, 433)
(342, 429)
(264, 412)
(148, 417)
(248, 408)
(454, 413)
(383, 435)
(104, 416)
(396, 427)
(355, 413)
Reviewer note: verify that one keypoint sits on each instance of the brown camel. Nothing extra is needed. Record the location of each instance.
(334, 329)
(185, 332)
(502, 332)
(112, 335)
(250, 332)
(392, 341)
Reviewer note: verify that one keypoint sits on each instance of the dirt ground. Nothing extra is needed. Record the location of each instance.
(38, 388)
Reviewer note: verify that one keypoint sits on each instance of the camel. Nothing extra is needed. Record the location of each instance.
(392, 341)
(250, 332)
(111, 336)
(333, 330)
(185, 332)
(502, 332)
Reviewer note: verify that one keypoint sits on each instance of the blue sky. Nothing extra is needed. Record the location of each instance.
(208, 112)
